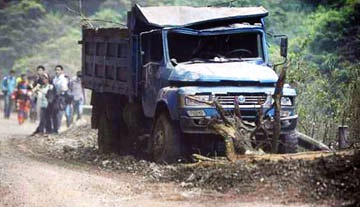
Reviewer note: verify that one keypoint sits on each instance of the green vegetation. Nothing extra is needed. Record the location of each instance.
(324, 52)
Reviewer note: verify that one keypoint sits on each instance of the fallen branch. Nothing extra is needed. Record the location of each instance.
(234, 130)
(228, 134)
(309, 142)
(202, 158)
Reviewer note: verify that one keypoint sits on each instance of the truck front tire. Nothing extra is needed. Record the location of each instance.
(288, 143)
(165, 144)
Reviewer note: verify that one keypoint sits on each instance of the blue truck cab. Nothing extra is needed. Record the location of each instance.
(142, 76)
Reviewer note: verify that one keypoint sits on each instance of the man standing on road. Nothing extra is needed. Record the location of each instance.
(45, 97)
(40, 70)
(60, 83)
(8, 87)
(77, 91)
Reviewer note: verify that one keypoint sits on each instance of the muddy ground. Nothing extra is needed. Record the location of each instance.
(328, 177)
(30, 177)
(310, 179)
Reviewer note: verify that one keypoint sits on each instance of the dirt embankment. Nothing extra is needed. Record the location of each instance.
(331, 179)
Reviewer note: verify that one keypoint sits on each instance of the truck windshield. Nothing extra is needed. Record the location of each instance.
(227, 47)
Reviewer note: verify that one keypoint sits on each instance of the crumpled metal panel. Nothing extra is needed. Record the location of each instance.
(163, 16)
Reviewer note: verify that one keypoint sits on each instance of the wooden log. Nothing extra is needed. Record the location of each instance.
(312, 142)
(234, 129)
(228, 133)
(202, 158)
(221, 112)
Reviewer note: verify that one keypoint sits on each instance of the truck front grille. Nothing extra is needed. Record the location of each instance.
(246, 99)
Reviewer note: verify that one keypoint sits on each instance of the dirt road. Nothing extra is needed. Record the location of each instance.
(31, 179)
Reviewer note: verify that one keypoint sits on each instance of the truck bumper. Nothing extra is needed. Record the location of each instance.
(199, 125)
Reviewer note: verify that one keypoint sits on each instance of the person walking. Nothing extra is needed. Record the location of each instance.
(8, 87)
(60, 83)
(69, 99)
(43, 99)
(40, 70)
(22, 94)
(33, 113)
(78, 94)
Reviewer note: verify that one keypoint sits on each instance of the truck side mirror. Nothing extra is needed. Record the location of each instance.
(283, 46)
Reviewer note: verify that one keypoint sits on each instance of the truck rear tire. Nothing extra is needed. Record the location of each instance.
(288, 143)
(108, 140)
(166, 140)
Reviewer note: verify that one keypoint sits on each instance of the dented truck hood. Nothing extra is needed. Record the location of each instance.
(224, 71)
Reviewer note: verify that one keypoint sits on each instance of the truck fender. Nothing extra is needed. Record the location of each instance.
(167, 99)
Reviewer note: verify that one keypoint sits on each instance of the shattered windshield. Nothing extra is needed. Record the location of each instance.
(200, 47)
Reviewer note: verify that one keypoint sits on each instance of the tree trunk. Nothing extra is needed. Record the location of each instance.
(342, 133)
(277, 106)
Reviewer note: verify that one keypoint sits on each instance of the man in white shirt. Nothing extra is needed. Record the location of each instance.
(60, 83)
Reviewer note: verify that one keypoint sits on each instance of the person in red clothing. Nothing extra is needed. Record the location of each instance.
(22, 96)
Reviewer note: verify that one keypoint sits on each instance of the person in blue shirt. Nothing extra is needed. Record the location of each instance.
(8, 86)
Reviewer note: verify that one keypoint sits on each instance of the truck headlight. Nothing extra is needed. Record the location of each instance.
(192, 102)
(198, 113)
(285, 113)
(286, 101)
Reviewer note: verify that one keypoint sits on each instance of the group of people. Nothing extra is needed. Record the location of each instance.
(16, 89)
(51, 98)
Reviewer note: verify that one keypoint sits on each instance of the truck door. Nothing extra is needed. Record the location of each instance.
(152, 65)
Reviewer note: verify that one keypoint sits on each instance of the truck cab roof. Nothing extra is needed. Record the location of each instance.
(147, 18)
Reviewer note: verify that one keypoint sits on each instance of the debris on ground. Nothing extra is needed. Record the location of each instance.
(297, 177)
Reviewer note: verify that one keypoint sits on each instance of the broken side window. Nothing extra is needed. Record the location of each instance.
(152, 48)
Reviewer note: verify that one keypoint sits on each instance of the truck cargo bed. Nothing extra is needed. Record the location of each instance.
(106, 60)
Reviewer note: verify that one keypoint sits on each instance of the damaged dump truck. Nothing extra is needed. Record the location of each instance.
(154, 80)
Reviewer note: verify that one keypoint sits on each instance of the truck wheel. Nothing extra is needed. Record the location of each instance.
(165, 142)
(262, 142)
(106, 138)
(288, 143)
